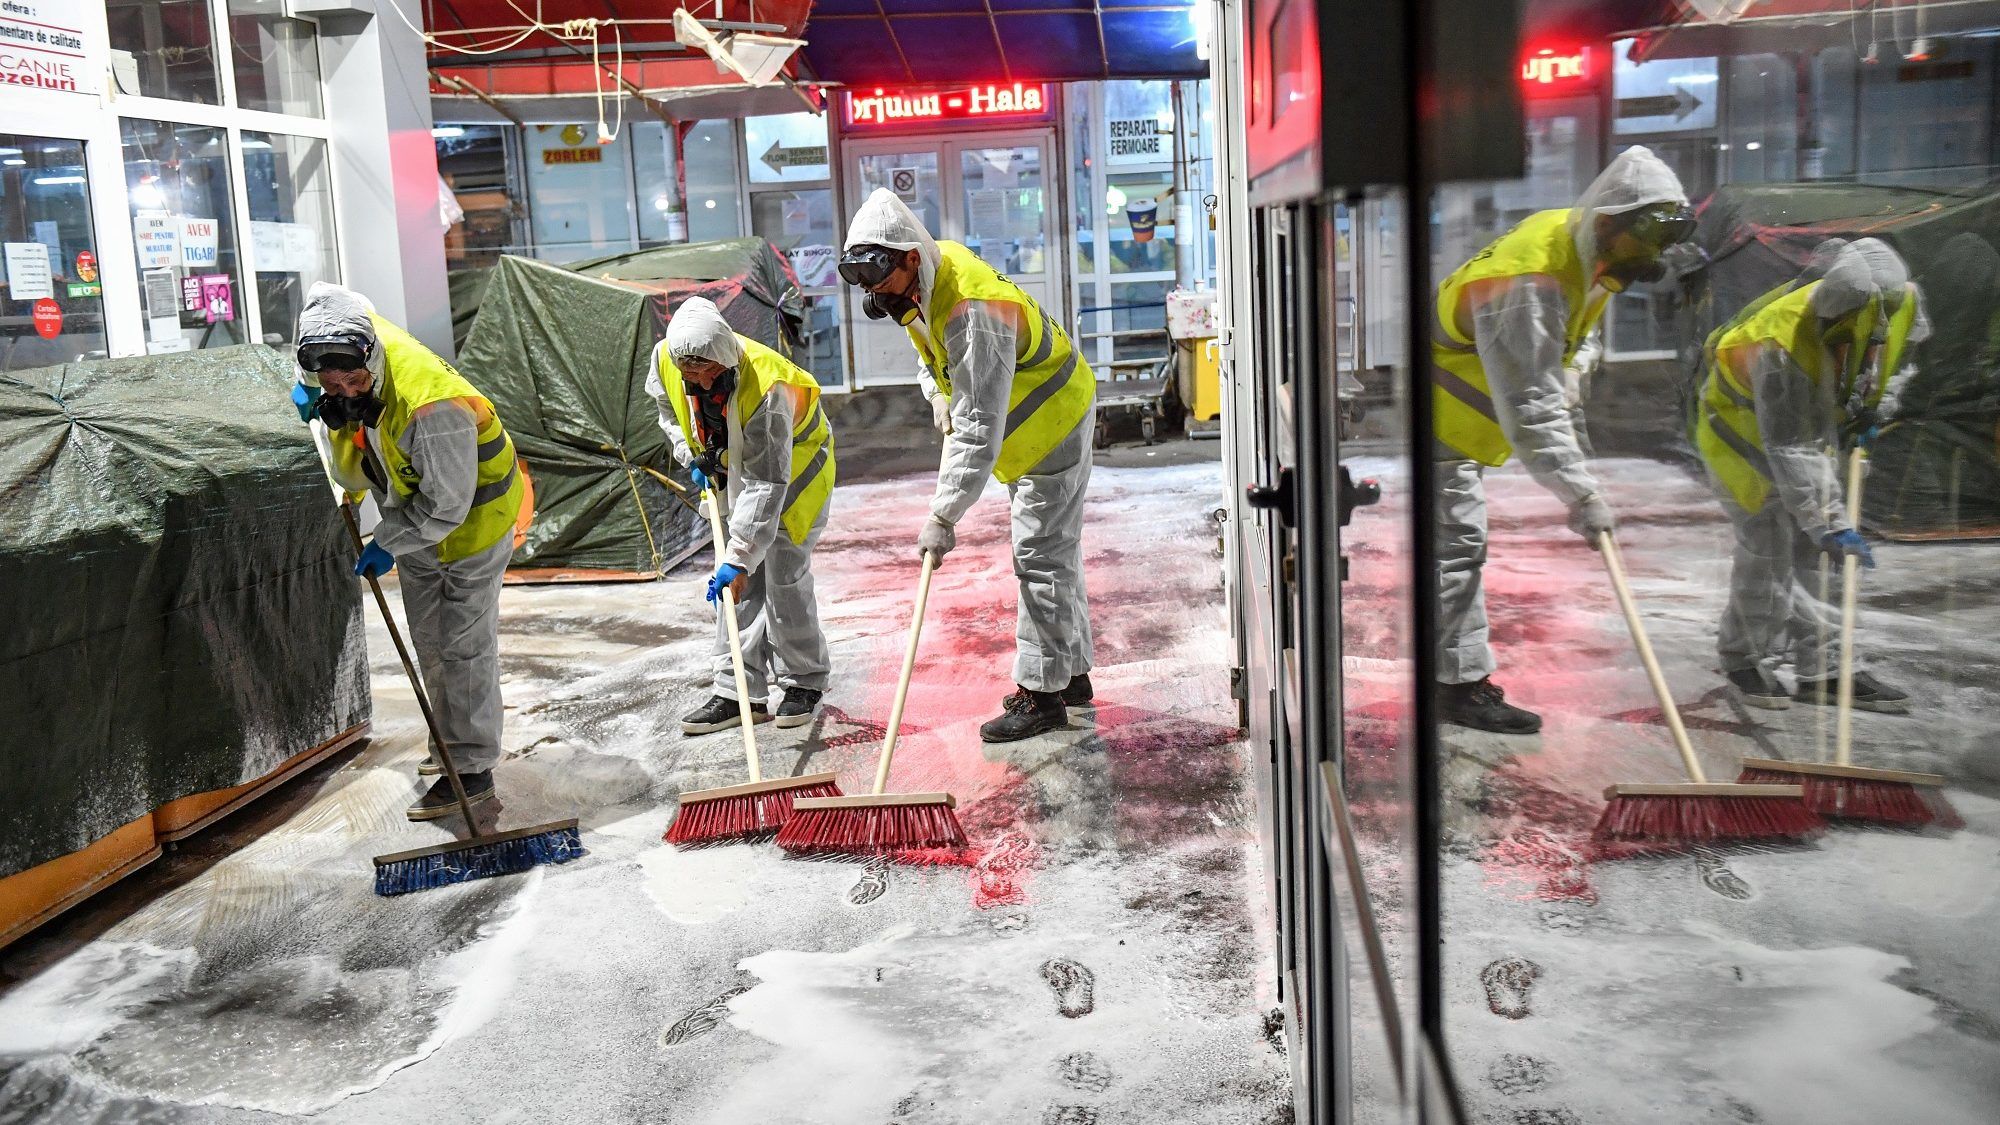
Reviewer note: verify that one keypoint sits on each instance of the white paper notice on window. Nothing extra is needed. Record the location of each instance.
(987, 213)
(285, 247)
(159, 241)
(28, 277)
(200, 241)
(813, 264)
(163, 298)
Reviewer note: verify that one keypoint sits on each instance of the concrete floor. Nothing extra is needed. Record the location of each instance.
(1102, 961)
(1846, 980)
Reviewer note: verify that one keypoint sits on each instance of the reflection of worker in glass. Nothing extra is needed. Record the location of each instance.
(1801, 367)
(1508, 323)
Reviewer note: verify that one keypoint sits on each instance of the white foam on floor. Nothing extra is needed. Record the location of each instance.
(698, 885)
(86, 994)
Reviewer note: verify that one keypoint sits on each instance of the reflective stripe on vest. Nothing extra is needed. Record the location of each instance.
(1726, 431)
(1053, 385)
(415, 377)
(812, 467)
(1465, 418)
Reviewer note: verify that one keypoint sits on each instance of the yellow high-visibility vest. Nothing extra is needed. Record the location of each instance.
(415, 377)
(812, 438)
(1053, 385)
(1464, 414)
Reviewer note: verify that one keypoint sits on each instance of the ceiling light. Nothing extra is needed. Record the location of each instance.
(446, 131)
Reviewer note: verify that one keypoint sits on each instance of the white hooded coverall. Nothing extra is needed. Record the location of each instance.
(1052, 623)
(778, 615)
(1520, 330)
(453, 608)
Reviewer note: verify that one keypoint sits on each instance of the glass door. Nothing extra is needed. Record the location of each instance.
(990, 193)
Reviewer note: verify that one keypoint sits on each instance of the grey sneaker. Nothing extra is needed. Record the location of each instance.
(798, 706)
(1869, 694)
(440, 801)
(721, 714)
(1756, 688)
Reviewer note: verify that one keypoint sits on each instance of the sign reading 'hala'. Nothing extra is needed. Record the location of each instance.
(879, 105)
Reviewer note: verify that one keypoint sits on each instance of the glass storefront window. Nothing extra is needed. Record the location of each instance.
(190, 280)
(800, 223)
(291, 225)
(1139, 208)
(473, 160)
(1005, 201)
(1139, 307)
(581, 192)
(53, 308)
(712, 200)
(276, 59)
(163, 49)
(786, 147)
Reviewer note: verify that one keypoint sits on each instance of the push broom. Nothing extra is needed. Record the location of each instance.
(1696, 811)
(735, 812)
(1841, 789)
(879, 823)
(476, 856)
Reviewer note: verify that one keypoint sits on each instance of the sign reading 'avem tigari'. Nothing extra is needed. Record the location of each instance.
(879, 105)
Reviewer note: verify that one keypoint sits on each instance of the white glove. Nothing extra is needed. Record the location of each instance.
(941, 413)
(937, 537)
(1591, 517)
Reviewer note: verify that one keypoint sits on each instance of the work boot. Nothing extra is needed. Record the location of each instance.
(1483, 706)
(1078, 692)
(1756, 688)
(798, 706)
(441, 801)
(1869, 695)
(1028, 713)
(721, 714)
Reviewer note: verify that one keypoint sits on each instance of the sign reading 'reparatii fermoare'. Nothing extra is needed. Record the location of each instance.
(45, 45)
(882, 105)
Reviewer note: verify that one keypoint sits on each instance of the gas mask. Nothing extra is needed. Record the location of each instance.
(894, 306)
(1650, 231)
(338, 411)
(723, 387)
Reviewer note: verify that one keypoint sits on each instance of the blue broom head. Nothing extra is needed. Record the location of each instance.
(478, 861)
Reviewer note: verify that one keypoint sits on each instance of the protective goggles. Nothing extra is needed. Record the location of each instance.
(1661, 227)
(344, 352)
(869, 266)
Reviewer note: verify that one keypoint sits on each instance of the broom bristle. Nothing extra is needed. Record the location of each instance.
(1875, 801)
(477, 861)
(1705, 819)
(740, 815)
(871, 830)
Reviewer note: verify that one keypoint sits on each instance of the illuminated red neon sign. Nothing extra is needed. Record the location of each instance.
(874, 106)
(1555, 70)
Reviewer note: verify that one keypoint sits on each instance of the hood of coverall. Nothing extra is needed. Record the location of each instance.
(1845, 281)
(1634, 179)
(885, 220)
(336, 310)
(698, 331)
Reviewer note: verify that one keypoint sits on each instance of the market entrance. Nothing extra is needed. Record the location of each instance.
(991, 191)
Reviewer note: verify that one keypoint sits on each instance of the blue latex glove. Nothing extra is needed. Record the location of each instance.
(374, 562)
(702, 482)
(724, 576)
(1848, 542)
(306, 399)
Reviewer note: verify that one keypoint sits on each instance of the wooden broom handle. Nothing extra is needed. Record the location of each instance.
(1608, 547)
(735, 641)
(1850, 593)
(903, 681)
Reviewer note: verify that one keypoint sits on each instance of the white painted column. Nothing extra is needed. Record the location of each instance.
(385, 176)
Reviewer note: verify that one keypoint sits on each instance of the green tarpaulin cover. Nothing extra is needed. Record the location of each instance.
(182, 611)
(562, 353)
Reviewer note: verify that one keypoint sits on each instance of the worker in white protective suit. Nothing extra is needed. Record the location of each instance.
(1507, 324)
(393, 420)
(1017, 402)
(747, 423)
(1794, 381)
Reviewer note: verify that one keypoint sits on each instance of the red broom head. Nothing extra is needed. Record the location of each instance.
(871, 830)
(1705, 820)
(1896, 803)
(741, 815)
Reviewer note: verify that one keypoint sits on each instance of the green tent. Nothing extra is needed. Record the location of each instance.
(182, 612)
(1936, 469)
